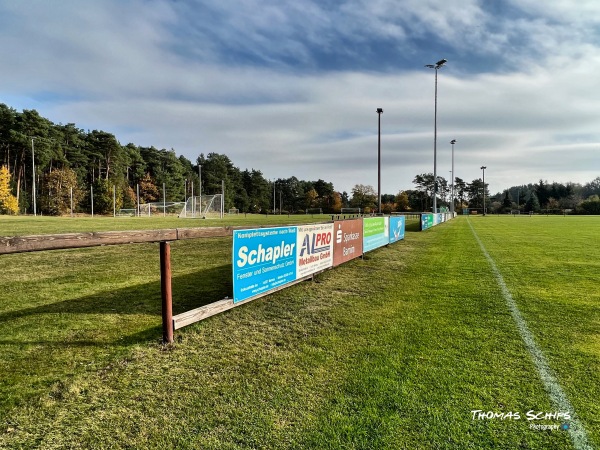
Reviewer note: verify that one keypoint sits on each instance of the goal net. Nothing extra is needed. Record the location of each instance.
(205, 206)
(126, 212)
(160, 209)
(350, 210)
(314, 211)
(234, 211)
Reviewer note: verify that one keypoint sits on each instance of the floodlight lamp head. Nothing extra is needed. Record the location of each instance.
(483, 167)
(437, 65)
(453, 141)
(379, 110)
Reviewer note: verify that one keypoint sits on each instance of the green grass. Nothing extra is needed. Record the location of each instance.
(393, 351)
(24, 225)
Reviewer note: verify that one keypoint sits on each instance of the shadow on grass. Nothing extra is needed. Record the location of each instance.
(413, 226)
(47, 344)
(189, 291)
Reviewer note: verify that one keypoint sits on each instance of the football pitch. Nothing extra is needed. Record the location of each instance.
(482, 332)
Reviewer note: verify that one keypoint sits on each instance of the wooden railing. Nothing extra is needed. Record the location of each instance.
(42, 242)
(45, 242)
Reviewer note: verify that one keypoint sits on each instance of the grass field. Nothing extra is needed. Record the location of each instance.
(22, 225)
(393, 351)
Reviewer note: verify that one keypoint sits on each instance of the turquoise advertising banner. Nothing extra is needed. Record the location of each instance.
(376, 232)
(397, 228)
(426, 221)
(263, 259)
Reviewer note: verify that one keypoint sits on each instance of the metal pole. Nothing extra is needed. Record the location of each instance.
(138, 200)
(483, 169)
(185, 198)
(379, 112)
(92, 197)
(222, 198)
(435, 66)
(33, 173)
(114, 201)
(164, 200)
(435, 148)
(193, 205)
(167, 297)
(274, 206)
(71, 201)
(453, 141)
(200, 186)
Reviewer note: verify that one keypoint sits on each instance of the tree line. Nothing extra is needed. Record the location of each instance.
(66, 163)
(534, 197)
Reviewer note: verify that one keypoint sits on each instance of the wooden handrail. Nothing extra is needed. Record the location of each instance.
(41, 242)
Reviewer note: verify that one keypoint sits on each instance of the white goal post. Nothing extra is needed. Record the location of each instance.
(159, 209)
(203, 206)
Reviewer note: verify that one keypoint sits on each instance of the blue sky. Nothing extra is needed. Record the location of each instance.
(291, 87)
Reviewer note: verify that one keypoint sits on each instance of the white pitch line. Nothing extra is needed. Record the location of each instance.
(557, 395)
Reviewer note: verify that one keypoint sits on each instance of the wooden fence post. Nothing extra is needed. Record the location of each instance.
(165, 286)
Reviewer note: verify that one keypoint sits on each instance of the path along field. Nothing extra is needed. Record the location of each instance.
(394, 351)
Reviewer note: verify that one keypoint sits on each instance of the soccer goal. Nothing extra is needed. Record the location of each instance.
(159, 209)
(234, 211)
(126, 212)
(202, 207)
(515, 212)
(350, 210)
(314, 211)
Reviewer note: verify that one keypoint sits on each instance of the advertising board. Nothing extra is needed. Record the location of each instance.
(263, 259)
(397, 228)
(348, 242)
(426, 221)
(376, 233)
(314, 245)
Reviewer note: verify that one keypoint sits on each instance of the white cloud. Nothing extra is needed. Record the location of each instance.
(113, 67)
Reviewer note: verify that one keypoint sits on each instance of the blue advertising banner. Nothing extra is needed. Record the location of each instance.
(397, 228)
(263, 259)
(376, 233)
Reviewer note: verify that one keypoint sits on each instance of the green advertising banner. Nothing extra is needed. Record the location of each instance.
(376, 232)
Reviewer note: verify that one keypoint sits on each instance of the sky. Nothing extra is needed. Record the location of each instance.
(291, 88)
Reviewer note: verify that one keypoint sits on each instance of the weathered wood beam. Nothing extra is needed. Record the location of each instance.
(35, 243)
(206, 311)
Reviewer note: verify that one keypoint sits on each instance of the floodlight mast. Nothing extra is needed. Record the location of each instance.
(379, 113)
(483, 169)
(435, 66)
(453, 141)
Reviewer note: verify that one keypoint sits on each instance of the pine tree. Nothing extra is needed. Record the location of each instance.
(533, 204)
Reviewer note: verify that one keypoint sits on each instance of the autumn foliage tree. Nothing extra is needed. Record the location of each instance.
(8, 202)
(148, 190)
(57, 187)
